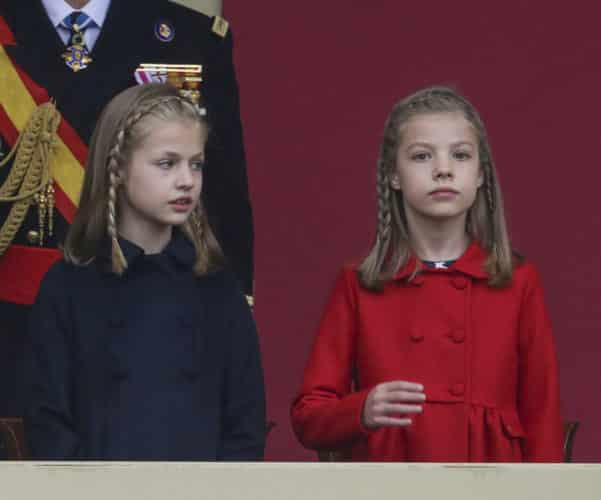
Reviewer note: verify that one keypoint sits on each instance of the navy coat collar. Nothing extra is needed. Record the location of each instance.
(179, 251)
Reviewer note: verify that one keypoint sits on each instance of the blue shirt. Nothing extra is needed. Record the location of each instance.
(57, 10)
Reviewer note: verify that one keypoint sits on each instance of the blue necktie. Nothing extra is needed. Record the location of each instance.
(76, 23)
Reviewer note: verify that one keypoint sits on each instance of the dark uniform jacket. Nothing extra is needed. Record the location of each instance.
(127, 39)
(157, 364)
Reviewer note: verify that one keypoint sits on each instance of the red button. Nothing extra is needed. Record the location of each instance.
(459, 282)
(458, 336)
(457, 390)
(418, 280)
(417, 335)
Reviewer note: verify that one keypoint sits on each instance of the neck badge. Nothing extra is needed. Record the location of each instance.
(77, 56)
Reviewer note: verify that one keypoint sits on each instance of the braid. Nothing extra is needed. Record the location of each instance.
(491, 205)
(144, 109)
(119, 263)
(384, 213)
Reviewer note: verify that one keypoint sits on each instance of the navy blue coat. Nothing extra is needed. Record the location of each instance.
(155, 365)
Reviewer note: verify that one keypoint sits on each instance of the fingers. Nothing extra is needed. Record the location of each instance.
(383, 421)
(402, 385)
(389, 404)
(406, 397)
(400, 408)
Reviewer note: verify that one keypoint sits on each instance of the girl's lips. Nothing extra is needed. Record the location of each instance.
(443, 192)
(181, 204)
(185, 200)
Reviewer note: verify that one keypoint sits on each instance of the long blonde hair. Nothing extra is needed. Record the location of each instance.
(485, 219)
(118, 132)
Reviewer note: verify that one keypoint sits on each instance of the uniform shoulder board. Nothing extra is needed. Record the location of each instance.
(220, 26)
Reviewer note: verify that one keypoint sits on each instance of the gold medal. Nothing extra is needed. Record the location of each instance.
(77, 56)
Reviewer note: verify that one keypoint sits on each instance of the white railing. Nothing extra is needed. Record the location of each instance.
(296, 481)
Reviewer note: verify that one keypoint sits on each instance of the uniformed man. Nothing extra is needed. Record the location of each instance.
(78, 54)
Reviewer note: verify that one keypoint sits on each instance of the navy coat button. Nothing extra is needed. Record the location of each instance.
(120, 375)
(191, 374)
(116, 323)
(185, 322)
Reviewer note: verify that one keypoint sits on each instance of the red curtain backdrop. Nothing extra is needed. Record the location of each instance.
(317, 81)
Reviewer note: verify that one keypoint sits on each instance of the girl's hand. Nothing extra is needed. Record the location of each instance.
(392, 398)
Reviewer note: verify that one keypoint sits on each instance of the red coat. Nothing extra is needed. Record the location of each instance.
(485, 356)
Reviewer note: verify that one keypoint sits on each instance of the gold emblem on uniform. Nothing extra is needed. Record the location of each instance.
(164, 31)
(77, 56)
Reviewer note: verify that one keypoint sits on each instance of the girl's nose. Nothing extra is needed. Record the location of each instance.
(185, 179)
(442, 168)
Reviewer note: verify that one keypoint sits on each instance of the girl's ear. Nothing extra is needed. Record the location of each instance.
(395, 182)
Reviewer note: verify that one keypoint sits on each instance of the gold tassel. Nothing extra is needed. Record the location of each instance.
(51, 204)
(40, 199)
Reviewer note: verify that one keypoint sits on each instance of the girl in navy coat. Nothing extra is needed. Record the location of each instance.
(142, 345)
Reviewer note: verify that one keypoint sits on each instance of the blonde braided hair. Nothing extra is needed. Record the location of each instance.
(485, 220)
(110, 152)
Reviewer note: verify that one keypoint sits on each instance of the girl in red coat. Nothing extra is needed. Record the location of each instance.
(438, 346)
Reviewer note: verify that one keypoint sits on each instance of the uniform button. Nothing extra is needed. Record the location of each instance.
(417, 336)
(457, 389)
(459, 282)
(458, 336)
(33, 237)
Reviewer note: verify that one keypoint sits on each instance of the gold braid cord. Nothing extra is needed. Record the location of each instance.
(29, 180)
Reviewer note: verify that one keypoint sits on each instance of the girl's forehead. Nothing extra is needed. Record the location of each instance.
(155, 128)
(152, 121)
(438, 125)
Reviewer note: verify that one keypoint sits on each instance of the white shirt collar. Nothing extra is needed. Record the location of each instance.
(57, 10)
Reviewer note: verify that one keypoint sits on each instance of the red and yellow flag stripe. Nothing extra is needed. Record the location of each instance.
(19, 98)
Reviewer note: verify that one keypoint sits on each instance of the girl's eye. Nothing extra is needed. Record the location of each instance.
(198, 165)
(165, 164)
(421, 156)
(462, 155)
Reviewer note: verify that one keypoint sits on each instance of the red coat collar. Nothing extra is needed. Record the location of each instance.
(471, 263)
